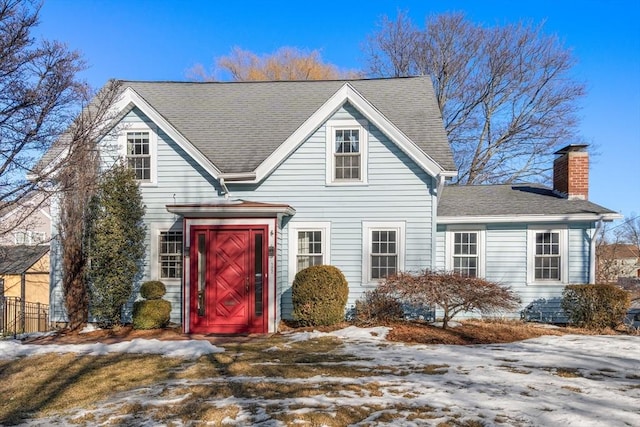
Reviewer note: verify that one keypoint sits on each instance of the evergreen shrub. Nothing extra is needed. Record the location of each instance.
(319, 295)
(595, 306)
(153, 289)
(151, 314)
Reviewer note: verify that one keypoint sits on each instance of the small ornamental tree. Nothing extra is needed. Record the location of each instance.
(116, 245)
(452, 292)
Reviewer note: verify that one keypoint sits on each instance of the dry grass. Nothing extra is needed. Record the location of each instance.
(41, 386)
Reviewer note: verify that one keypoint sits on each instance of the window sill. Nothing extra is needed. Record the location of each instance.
(547, 283)
(347, 184)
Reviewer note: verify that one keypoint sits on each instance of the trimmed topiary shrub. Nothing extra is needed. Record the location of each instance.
(151, 314)
(319, 295)
(153, 289)
(595, 306)
(377, 306)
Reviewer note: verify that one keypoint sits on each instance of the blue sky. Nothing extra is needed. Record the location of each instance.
(161, 40)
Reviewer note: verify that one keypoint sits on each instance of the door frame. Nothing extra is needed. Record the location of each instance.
(271, 309)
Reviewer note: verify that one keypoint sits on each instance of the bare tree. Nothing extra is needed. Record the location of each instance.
(39, 96)
(286, 63)
(505, 92)
(452, 292)
(77, 183)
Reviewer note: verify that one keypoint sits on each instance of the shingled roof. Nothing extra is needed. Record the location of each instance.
(511, 200)
(237, 125)
(19, 259)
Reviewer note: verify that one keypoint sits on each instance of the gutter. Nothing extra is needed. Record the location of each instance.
(246, 177)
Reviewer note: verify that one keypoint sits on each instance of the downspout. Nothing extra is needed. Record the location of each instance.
(441, 180)
(592, 253)
(227, 194)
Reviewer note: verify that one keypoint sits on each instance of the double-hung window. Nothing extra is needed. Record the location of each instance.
(346, 152)
(465, 251)
(348, 164)
(383, 249)
(309, 249)
(309, 244)
(139, 155)
(170, 254)
(548, 255)
(28, 237)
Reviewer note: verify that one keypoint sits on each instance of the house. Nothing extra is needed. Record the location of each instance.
(247, 183)
(617, 260)
(24, 273)
(27, 222)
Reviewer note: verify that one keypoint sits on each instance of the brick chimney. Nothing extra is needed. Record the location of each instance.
(571, 172)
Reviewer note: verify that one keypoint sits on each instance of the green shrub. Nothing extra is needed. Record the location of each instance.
(595, 306)
(377, 306)
(319, 296)
(153, 289)
(151, 314)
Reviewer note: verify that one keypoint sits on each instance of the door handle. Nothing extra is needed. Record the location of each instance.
(246, 284)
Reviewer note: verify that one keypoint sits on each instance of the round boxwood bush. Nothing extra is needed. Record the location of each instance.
(319, 296)
(151, 314)
(153, 289)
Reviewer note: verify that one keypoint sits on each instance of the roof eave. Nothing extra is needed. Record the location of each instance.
(528, 218)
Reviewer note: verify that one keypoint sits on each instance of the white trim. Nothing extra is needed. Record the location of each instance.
(153, 148)
(449, 242)
(472, 219)
(130, 96)
(337, 124)
(348, 94)
(154, 251)
(367, 228)
(294, 228)
(563, 232)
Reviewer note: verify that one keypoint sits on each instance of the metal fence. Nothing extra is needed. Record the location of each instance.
(20, 317)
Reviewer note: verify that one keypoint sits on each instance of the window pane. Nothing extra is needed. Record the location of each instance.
(170, 254)
(309, 249)
(384, 259)
(258, 258)
(138, 155)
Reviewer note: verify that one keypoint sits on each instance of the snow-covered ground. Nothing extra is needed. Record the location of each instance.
(549, 381)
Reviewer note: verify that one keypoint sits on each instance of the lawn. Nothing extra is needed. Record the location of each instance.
(349, 376)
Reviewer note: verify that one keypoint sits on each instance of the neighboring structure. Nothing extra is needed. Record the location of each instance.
(617, 260)
(24, 273)
(247, 183)
(27, 223)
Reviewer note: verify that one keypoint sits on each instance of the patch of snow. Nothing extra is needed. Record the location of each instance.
(451, 324)
(89, 327)
(191, 349)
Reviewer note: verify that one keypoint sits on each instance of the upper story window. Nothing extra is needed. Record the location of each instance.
(170, 254)
(348, 158)
(465, 251)
(346, 152)
(548, 255)
(139, 155)
(28, 237)
(383, 249)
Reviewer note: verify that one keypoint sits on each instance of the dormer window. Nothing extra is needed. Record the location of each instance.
(346, 153)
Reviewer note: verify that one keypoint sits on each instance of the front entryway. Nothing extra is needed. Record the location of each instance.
(228, 292)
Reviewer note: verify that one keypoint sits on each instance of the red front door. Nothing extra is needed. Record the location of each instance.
(228, 280)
